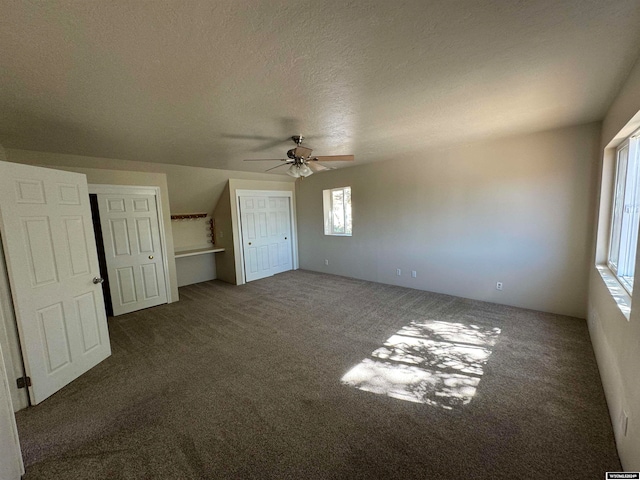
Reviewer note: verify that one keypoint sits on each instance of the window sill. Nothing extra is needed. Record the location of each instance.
(617, 291)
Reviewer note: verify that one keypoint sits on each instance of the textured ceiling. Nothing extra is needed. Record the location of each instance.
(209, 83)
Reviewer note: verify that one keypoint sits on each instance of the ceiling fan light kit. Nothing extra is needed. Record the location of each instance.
(302, 164)
(293, 171)
(297, 171)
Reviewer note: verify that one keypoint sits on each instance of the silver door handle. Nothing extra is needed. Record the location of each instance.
(97, 280)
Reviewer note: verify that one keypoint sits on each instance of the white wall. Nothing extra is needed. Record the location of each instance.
(616, 340)
(518, 210)
(196, 269)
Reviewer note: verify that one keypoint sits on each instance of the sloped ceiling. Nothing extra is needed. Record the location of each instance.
(209, 83)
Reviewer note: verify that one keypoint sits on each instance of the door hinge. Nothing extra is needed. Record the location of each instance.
(23, 382)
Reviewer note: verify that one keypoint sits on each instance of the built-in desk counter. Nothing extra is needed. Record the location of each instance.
(197, 251)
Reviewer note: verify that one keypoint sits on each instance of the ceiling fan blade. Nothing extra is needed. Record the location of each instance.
(265, 160)
(302, 152)
(334, 158)
(278, 166)
(317, 167)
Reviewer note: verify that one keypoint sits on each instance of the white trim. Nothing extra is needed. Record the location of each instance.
(617, 291)
(11, 463)
(294, 227)
(624, 266)
(143, 190)
(327, 211)
(9, 337)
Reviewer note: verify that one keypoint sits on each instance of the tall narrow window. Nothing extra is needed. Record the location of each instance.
(626, 213)
(337, 211)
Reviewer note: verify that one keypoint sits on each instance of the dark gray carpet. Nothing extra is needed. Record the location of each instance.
(244, 382)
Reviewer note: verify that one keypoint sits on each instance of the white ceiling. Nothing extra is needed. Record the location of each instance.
(192, 81)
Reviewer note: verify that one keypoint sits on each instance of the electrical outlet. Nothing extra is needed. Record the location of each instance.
(326, 261)
(398, 272)
(499, 286)
(414, 274)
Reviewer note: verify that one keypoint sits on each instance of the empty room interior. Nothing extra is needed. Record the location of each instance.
(326, 239)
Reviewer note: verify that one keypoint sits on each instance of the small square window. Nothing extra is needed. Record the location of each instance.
(337, 211)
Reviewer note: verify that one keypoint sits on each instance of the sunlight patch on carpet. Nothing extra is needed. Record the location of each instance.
(435, 362)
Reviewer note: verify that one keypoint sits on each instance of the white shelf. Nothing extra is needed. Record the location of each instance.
(197, 251)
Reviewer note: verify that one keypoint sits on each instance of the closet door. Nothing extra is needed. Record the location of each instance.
(266, 235)
(133, 252)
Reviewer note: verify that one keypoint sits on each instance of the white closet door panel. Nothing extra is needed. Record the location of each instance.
(149, 280)
(144, 235)
(78, 257)
(88, 313)
(55, 336)
(134, 259)
(266, 235)
(126, 285)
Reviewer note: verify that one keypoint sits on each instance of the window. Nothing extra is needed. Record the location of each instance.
(626, 212)
(337, 211)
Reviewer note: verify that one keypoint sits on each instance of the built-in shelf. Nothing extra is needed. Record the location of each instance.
(197, 251)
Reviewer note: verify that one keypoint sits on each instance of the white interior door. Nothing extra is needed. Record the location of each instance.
(266, 235)
(133, 252)
(52, 262)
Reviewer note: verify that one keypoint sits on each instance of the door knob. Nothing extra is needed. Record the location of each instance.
(150, 257)
(249, 243)
(285, 238)
(97, 280)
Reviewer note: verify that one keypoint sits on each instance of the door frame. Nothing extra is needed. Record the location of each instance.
(11, 457)
(9, 338)
(292, 219)
(142, 190)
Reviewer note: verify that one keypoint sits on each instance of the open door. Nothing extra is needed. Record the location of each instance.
(50, 251)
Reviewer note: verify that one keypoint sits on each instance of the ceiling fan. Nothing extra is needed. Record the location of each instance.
(302, 164)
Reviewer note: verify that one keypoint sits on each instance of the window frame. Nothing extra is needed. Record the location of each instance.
(623, 229)
(328, 208)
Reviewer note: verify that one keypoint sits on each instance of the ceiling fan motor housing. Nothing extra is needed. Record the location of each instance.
(299, 153)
